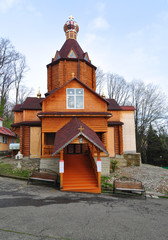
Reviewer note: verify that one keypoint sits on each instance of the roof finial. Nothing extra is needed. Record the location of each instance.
(103, 95)
(38, 94)
(71, 17)
(73, 75)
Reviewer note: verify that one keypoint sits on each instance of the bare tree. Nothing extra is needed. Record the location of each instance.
(12, 65)
(150, 107)
(100, 80)
(19, 70)
(117, 88)
(24, 92)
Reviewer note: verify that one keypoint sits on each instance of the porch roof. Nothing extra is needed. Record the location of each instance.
(71, 130)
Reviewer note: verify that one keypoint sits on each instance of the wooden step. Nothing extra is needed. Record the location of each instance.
(87, 190)
(79, 176)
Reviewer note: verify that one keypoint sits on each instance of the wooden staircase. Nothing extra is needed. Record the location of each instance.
(79, 175)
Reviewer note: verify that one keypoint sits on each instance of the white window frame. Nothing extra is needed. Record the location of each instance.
(74, 98)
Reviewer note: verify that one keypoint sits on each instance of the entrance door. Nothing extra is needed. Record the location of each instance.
(74, 149)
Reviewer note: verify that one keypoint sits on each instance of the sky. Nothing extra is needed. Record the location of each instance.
(127, 37)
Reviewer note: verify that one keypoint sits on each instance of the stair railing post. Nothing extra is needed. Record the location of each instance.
(61, 168)
(98, 168)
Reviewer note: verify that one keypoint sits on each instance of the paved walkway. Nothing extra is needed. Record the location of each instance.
(32, 212)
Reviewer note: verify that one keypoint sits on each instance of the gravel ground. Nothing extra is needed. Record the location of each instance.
(155, 179)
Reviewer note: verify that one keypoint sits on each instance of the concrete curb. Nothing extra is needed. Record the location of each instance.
(15, 177)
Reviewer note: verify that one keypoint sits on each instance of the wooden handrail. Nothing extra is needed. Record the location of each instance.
(93, 163)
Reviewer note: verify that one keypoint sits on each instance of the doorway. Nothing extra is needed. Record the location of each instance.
(74, 149)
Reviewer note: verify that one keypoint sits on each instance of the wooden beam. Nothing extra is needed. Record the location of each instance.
(42, 144)
(61, 180)
(61, 173)
(99, 173)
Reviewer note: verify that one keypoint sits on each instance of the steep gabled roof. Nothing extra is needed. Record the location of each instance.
(77, 80)
(113, 105)
(17, 108)
(70, 131)
(32, 103)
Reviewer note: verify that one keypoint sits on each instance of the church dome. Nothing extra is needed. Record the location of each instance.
(71, 28)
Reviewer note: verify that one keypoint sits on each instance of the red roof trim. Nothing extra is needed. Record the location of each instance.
(128, 108)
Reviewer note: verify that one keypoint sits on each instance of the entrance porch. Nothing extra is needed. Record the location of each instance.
(74, 149)
(80, 170)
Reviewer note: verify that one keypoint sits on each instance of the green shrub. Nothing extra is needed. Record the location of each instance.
(113, 165)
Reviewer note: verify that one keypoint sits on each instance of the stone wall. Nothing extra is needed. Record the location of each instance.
(105, 165)
(50, 163)
(133, 159)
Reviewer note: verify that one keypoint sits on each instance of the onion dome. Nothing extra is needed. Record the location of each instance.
(71, 28)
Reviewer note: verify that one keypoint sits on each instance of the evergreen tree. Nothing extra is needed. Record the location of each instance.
(156, 152)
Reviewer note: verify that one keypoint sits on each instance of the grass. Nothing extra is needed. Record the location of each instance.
(105, 185)
(6, 169)
(163, 197)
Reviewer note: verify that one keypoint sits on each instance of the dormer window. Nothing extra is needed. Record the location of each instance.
(75, 98)
(72, 54)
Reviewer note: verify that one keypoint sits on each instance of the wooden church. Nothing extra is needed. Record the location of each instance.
(73, 130)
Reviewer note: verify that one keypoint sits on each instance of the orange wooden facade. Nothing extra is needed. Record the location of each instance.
(60, 72)
(52, 114)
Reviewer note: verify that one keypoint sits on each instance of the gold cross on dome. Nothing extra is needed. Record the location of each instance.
(71, 17)
(81, 129)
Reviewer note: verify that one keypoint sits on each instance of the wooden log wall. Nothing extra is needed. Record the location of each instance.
(18, 117)
(92, 103)
(62, 70)
(25, 140)
(50, 124)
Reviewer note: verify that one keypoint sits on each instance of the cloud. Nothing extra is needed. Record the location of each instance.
(6, 4)
(100, 23)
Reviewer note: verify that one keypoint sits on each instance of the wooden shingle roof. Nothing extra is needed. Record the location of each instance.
(113, 105)
(31, 103)
(70, 131)
(71, 44)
